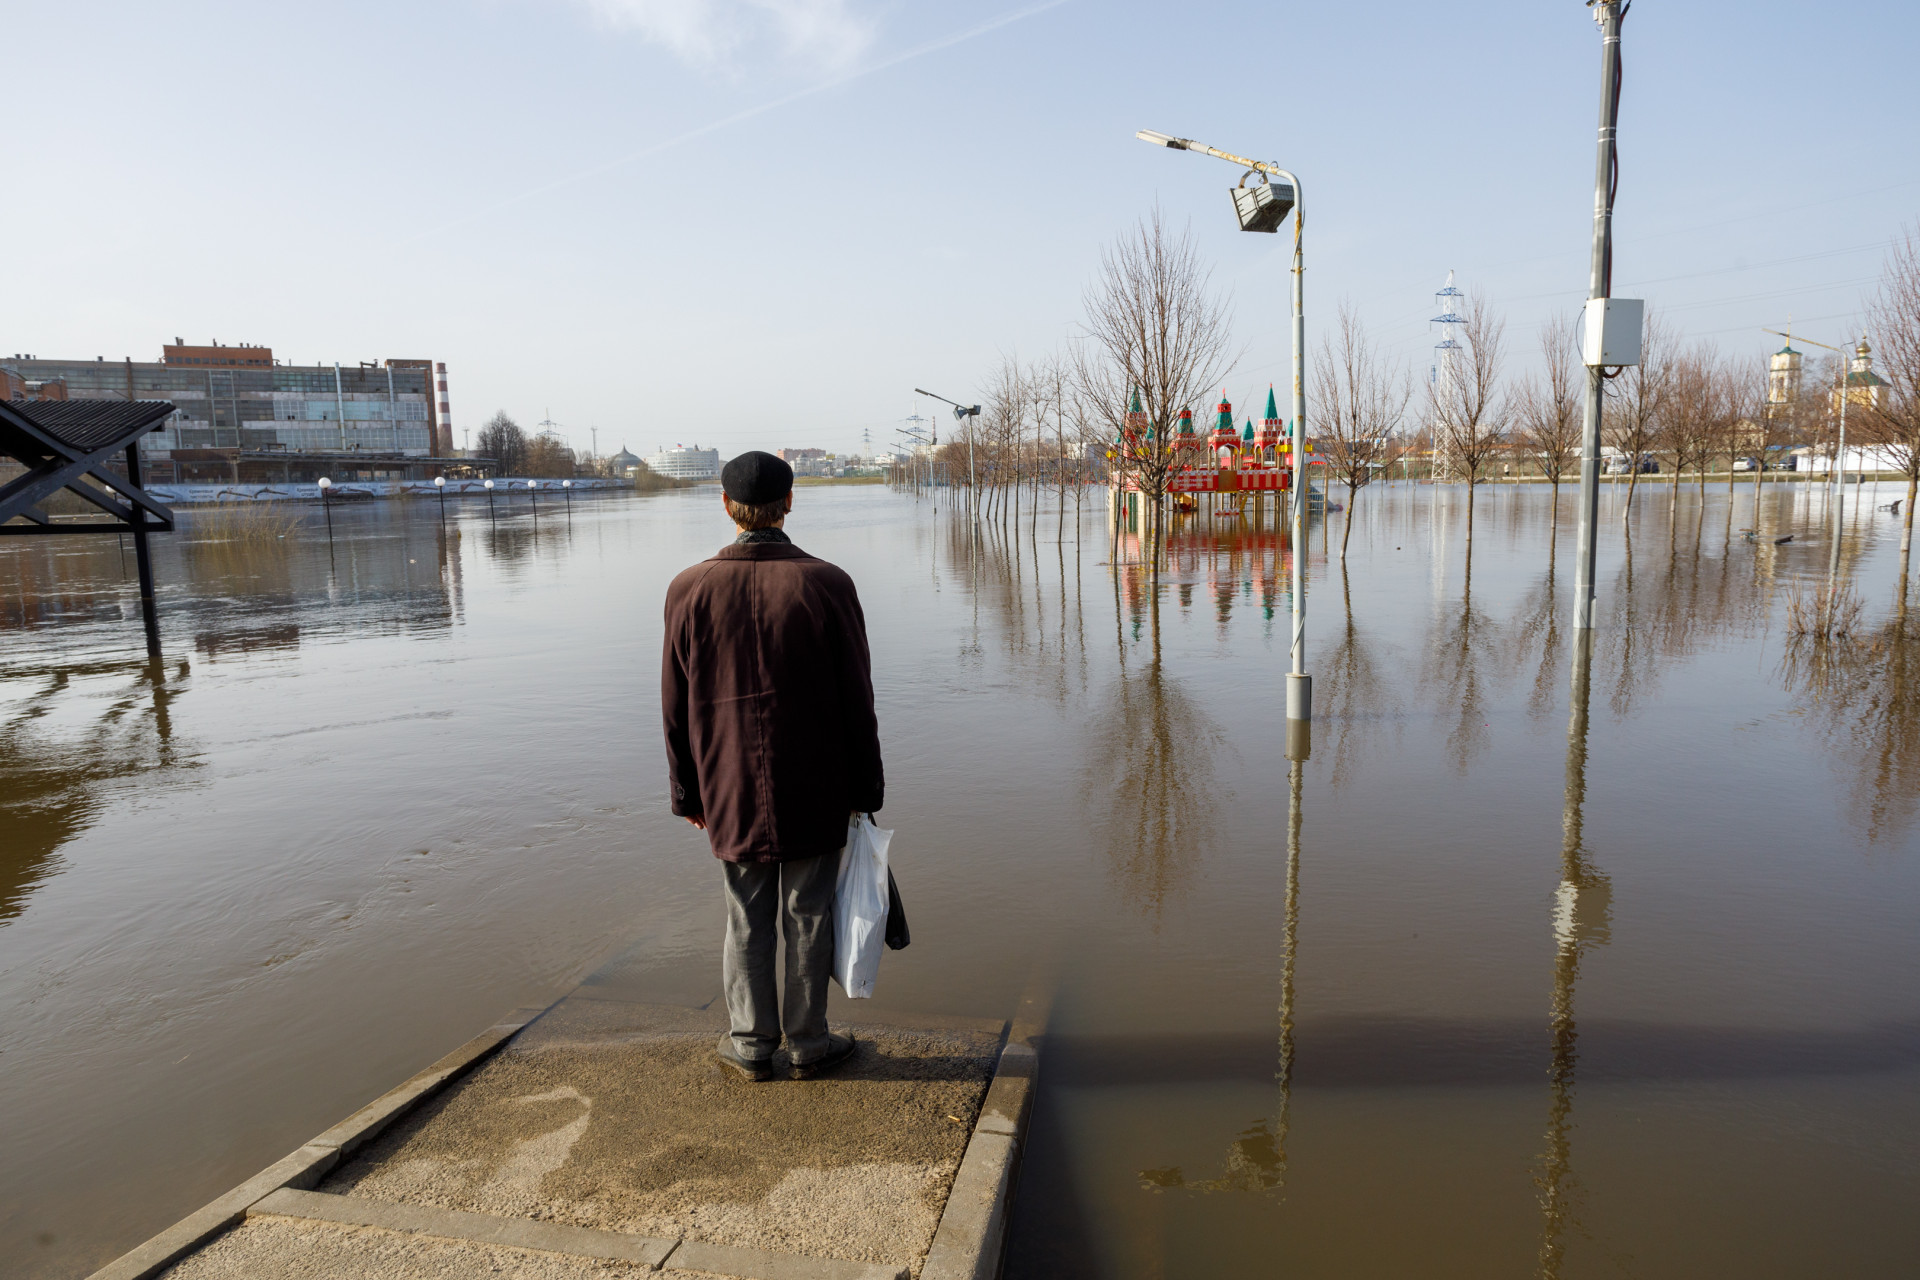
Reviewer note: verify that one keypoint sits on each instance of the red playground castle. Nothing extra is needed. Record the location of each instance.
(1223, 462)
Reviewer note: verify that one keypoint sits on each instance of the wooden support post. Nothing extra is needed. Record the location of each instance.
(142, 556)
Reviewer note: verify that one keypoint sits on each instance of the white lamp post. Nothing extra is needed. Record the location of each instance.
(440, 484)
(325, 501)
(1264, 208)
(489, 499)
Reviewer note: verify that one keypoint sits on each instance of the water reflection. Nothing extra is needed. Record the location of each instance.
(78, 724)
(1151, 783)
(1538, 641)
(1032, 598)
(1863, 698)
(60, 769)
(1152, 760)
(1256, 1159)
(1355, 702)
(1461, 647)
(1582, 917)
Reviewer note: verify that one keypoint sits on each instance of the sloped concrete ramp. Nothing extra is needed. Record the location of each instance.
(600, 1138)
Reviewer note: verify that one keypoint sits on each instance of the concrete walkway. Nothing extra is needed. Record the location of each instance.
(600, 1138)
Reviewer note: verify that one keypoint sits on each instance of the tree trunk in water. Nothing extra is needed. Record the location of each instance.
(1346, 528)
(1906, 527)
(1470, 487)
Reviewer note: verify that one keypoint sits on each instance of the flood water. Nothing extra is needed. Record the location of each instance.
(1501, 981)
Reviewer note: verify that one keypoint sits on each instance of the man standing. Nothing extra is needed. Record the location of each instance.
(772, 744)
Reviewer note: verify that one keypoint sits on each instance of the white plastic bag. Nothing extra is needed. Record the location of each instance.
(860, 908)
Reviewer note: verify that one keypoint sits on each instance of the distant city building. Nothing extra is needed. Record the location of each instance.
(242, 416)
(682, 463)
(1865, 388)
(623, 462)
(1783, 375)
(798, 455)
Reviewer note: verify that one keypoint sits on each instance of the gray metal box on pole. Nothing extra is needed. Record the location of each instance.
(1613, 331)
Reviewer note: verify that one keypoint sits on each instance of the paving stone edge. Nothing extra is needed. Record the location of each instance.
(304, 1169)
(971, 1241)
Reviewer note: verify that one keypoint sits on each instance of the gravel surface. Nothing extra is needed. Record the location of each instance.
(617, 1117)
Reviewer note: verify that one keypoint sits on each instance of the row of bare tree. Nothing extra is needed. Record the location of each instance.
(1682, 407)
(1156, 328)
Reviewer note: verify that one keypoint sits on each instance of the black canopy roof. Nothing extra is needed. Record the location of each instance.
(89, 424)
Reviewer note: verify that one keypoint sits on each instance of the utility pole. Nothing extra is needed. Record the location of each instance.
(1606, 321)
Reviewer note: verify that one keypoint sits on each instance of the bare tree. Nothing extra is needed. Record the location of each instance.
(1686, 427)
(1007, 405)
(1632, 416)
(1550, 415)
(549, 456)
(1894, 423)
(1740, 410)
(1469, 405)
(1362, 399)
(502, 440)
(1159, 331)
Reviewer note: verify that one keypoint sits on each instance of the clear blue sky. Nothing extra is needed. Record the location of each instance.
(763, 222)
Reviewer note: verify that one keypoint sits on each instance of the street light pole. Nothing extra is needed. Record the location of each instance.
(1260, 211)
(962, 411)
(1600, 285)
(1299, 683)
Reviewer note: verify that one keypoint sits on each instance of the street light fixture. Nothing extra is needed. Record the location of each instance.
(489, 499)
(326, 502)
(961, 412)
(440, 485)
(1264, 207)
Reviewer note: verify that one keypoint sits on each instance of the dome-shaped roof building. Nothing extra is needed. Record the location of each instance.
(623, 462)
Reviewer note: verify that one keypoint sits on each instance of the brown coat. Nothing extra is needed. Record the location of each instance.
(767, 694)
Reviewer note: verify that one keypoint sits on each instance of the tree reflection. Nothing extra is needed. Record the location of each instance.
(1863, 697)
(1455, 670)
(1151, 775)
(1354, 700)
(1538, 641)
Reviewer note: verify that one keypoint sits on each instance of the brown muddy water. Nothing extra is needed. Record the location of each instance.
(1486, 987)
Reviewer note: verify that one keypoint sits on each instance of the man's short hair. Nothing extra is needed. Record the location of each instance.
(758, 515)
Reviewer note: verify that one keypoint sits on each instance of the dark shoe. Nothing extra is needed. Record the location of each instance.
(757, 1070)
(839, 1050)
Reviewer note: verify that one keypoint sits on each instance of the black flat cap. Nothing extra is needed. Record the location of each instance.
(756, 478)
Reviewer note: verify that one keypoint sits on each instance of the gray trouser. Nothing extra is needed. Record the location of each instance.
(797, 899)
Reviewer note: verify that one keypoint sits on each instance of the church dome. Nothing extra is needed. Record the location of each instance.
(622, 462)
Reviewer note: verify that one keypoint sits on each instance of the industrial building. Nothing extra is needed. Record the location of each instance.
(241, 416)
